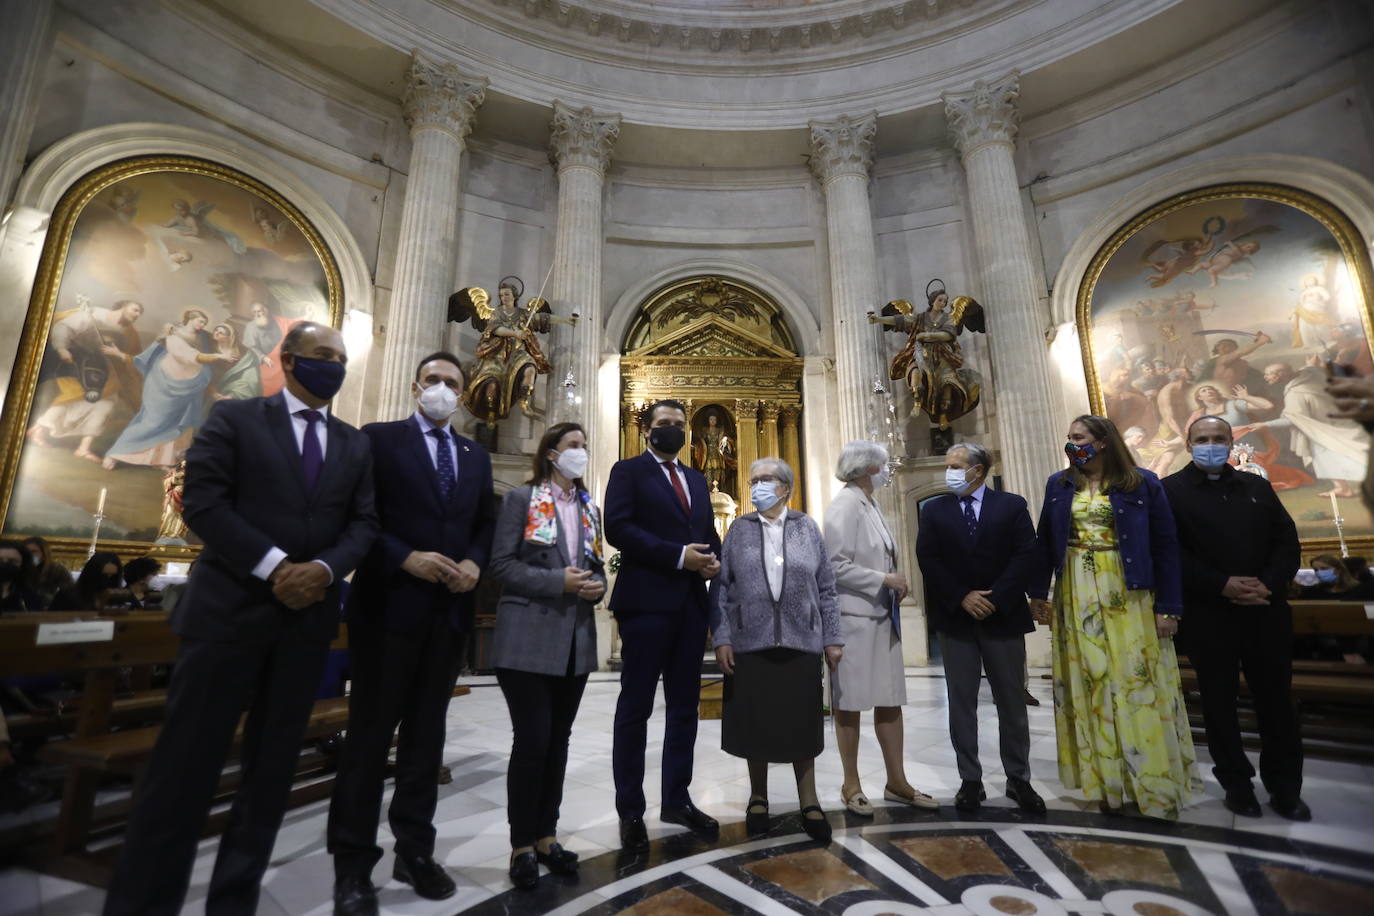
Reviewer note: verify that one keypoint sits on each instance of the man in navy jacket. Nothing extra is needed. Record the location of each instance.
(409, 612)
(658, 514)
(977, 552)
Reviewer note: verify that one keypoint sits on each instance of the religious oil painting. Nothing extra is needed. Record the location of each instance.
(1237, 301)
(166, 286)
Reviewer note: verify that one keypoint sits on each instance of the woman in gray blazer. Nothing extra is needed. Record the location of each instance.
(547, 555)
(869, 587)
(773, 614)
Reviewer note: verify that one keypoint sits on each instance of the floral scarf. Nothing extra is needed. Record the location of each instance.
(541, 522)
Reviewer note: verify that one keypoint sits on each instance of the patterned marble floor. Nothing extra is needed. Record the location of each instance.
(902, 861)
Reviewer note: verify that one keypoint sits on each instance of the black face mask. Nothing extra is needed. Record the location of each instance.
(9, 572)
(112, 581)
(667, 439)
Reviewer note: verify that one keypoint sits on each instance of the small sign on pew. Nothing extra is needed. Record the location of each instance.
(1369, 611)
(76, 631)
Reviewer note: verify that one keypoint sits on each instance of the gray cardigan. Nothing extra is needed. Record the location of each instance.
(537, 623)
(743, 613)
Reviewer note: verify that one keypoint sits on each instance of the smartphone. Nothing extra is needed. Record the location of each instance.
(1339, 370)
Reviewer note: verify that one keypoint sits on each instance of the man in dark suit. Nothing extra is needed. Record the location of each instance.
(281, 493)
(409, 613)
(1240, 550)
(658, 514)
(976, 548)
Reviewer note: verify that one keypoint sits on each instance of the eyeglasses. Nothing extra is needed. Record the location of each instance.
(766, 478)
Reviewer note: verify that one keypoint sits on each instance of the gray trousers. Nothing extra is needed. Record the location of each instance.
(966, 656)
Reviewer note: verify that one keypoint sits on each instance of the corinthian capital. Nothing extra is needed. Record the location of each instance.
(440, 97)
(843, 146)
(580, 137)
(986, 115)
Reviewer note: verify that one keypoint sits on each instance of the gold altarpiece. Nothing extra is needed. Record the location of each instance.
(722, 348)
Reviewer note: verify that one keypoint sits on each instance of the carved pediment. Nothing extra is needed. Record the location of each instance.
(696, 304)
(714, 339)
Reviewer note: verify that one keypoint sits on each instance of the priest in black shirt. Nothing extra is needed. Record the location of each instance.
(1240, 551)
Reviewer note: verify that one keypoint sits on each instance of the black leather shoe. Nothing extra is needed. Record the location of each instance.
(524, 871)
(1026, 798)
(1030, 699)
(689, 815)
(818, 828)
(756, 822)
(971, 795)
(558, 860)
(1243, 802)
(354, 895)
(633, 836)
(425, 875)
(1289, 806)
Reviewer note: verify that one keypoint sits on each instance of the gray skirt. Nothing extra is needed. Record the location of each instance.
(772, 707)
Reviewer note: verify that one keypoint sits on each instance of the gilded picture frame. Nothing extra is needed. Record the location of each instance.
(1234, 300)
(166, 283)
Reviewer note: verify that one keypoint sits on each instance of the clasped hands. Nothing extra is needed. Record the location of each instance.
(456, 576)
(299, 585)
(699, 559)
(579, 582)
(977, 605)
(1246, 590)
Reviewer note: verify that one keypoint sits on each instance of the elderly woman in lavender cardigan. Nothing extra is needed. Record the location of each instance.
(773, 615)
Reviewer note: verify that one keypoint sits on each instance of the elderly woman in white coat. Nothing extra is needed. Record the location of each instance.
(869, 586)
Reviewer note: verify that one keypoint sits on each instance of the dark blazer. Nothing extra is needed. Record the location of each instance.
(538, 625)
(245, 494)
(1002, 557)
(1146, 538)
(646, 523)
(414, 518)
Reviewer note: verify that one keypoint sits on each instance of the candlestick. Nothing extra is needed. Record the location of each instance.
(100, 506)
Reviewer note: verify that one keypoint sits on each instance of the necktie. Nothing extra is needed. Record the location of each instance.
(970, 517)
(677, 486)
(312, 458)
(443, 463)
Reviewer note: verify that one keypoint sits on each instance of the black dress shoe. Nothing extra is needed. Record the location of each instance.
(970, 796)
(818, 828)
(558, 860)
(1289, 806)
(425, 875)
(633, 836)
(756, 822)
(1030, 699)
(689, 815)
(1243, 802)
(524, 871)
(354, 895)
(1026, 798)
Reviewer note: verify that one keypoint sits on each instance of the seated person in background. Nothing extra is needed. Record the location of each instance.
(1335, 582)
(94, 588)
(138, 578)
(171, 594)
(46, 577)
(1359, 568)
(15, 594)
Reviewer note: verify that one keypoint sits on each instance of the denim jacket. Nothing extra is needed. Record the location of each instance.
(1146, 536)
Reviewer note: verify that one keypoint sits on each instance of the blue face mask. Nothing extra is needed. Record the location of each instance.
(321, 377)
(1326, 576)
(764, 495)
(1211, 457)
(957, 480)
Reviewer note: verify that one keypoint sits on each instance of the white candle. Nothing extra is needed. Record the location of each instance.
(100, 507)
(1335, 512)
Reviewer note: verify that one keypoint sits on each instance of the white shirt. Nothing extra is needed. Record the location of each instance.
(773, 552)
(432, 444)
(294, 405)
(682, 479)
(977, 496)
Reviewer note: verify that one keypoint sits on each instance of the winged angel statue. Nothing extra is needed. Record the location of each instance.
(932, 362)
(509, 357)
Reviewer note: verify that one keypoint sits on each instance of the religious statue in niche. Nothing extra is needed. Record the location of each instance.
(171, 530)
(713, 449)
(932, 362)
(509, 357)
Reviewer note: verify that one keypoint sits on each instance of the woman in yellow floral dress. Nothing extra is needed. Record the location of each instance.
(1107, 536)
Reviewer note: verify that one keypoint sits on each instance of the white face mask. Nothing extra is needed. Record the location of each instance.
(572, 462)
(882, 478)
(438, 402)
(957, 480)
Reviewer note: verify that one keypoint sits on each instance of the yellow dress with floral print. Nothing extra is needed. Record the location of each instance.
(1122, 728)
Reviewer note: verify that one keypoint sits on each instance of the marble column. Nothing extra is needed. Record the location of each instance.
(25, 47)
(982, 126)
(841, 157)
(747, 432)
(791, 453)
(439, 105)
(580, 143)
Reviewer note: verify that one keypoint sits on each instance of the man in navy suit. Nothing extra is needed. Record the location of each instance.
(976, 548)
(280, 491)
(658, 514)
(409, 612)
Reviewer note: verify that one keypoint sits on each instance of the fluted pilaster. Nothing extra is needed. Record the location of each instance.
(25, 45)
(580, 143)
(747, 433)
(791, 452)
(841, 157)
(982, 126)
(440, 103)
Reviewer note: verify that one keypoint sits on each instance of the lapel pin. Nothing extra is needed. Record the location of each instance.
(466, 449)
